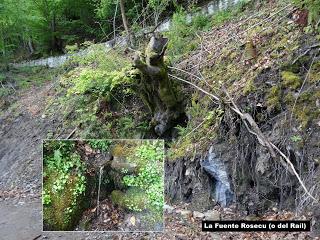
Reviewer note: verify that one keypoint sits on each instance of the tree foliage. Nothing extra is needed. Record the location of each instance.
(40, 27)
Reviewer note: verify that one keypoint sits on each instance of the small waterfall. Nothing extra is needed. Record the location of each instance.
(217, 169)
(100, 177)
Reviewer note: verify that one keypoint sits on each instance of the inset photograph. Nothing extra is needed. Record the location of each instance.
(103, 185)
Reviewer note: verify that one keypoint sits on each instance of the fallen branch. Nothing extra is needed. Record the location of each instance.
(202, 90)
(37, 237)
(306, 52)
(263, 140)
(71, 134)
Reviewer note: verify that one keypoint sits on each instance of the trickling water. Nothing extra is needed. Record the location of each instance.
(100, 177)
(216, 168)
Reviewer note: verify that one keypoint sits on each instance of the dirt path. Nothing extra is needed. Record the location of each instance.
(20, 221)
(22, 128)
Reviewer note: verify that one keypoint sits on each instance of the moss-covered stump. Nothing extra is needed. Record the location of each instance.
(154, 86)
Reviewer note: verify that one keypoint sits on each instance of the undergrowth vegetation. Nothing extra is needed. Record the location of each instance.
(185, 31)
(94, 87)
(313, 8)
(64, 184)
(242, 69)
(266, 62)
(150, 177)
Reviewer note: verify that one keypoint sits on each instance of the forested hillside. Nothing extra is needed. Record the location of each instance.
(231, 86)
(46, 27)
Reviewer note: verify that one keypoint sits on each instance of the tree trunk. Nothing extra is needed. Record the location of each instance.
(155, 88)
(30, 46)
(125, 23)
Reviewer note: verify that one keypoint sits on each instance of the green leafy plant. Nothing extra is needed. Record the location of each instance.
(102, 145)
(64, 183)
(150, 174)
(296, 138)
(46, 199)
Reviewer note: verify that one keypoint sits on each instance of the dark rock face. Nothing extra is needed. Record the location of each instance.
(218, 172)
(203, 181)
(316, 220)
(185, 181)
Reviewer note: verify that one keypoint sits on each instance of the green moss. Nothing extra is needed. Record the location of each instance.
(166, 92)
(117, 197)
(289, 98)
(58, 216)
(273, 98)
(125, 149)
(269, 32)
(305, 97)
(249, 88)
(291, 80)
(314, 76)
(181, 149)
(303, 115)
(295, 68)
(306, 109)
(255, 30)
(134, 199)
(233, 55)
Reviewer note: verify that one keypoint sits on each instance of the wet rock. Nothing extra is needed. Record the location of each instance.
(193, 188)
(217, 170)
(212, 215)
(262, 161)
(101, 159)
(189, 172)
(130, 167)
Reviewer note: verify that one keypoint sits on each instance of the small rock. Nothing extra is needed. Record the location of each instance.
(189, 172)
(215, 236)
(186, 213)
(167, 208)
(133, 221)
(198, 215)
(251, 218)
(212, 215)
